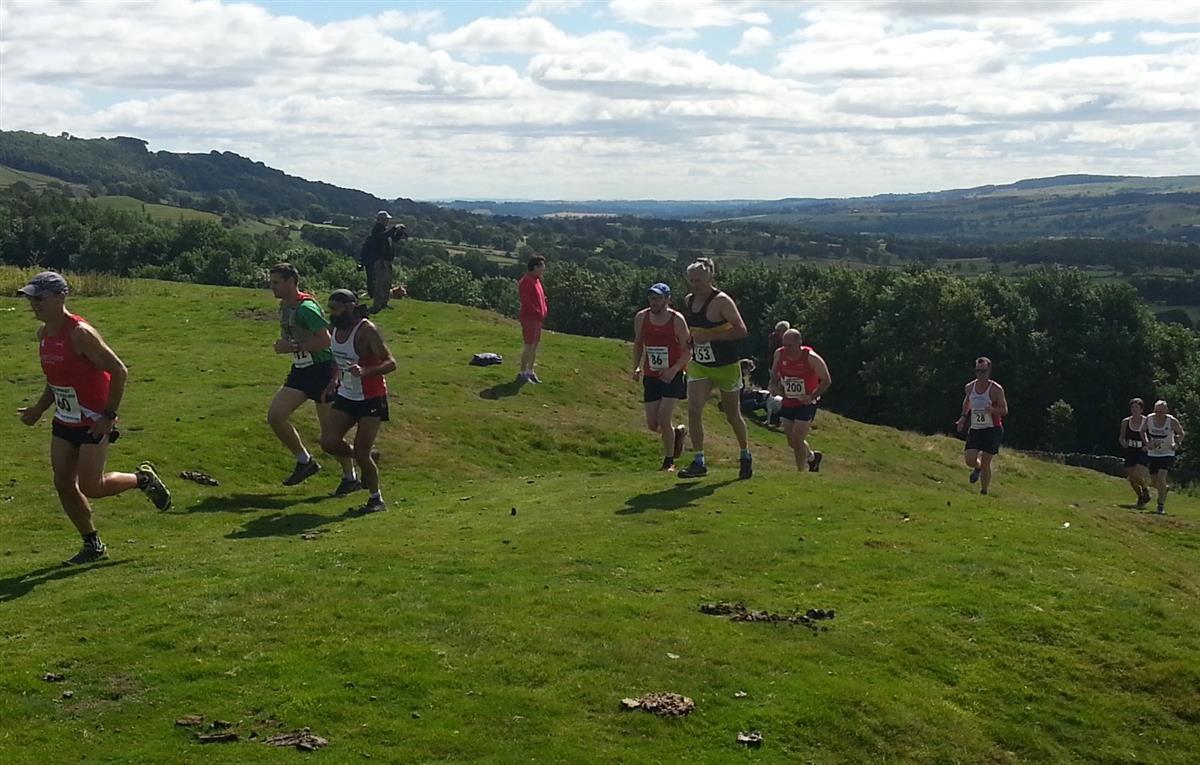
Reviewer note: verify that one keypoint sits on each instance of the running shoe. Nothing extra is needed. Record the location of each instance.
(153, 487)
(347, 486)
(668, 464)
(301, 472)
(975, 475)
(88, 554)
(533, 378)
(814, 465)
(373, 505)
(680, 436)
(745, 468)
(1160, 510)
(695, 470)
(983, 492)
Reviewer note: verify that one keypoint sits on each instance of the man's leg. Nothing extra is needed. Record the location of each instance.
(798, 438)
(1160, 484)
(369, 269)
(698, 392)
(93, 482)
(331, 420)
(733, 413)
(666, 413)
(64, 462)
(364, 443)
(383, 285)
(985, 470)
(286, 401)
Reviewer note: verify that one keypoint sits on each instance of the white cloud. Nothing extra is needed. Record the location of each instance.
(1168, 38)
(861, 99)
(523, 35)
(753, 41)
(688, 14)
(550, 7)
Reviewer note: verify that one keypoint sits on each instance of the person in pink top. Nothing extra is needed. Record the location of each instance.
(532, 316)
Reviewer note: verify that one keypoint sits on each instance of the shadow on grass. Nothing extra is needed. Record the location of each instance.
(22, 584)
(503, 390)
(681, 495)
(287, 525)
(248, 503)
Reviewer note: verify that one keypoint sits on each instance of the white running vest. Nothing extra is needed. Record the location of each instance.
(345, 356)
(980, 416)
(1160, 441)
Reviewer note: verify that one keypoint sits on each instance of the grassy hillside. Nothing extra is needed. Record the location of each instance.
(969, 629)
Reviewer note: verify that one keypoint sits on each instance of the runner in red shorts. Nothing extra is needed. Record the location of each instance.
(85, 382)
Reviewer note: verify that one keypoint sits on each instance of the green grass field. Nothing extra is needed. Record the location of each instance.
(969, 629)
(155, 211)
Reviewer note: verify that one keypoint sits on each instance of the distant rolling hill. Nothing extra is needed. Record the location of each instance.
(1118, 207)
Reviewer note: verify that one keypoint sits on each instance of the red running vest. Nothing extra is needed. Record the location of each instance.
(655, 338)
(80, 387)
(797, 376)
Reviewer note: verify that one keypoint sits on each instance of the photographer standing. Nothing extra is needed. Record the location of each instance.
(376, 257)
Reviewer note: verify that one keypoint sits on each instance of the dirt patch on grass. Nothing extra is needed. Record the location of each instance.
(661, 704)
(256, 314)
(304, 740)
(739, 612)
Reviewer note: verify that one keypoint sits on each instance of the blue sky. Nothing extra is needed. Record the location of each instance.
(698, 99)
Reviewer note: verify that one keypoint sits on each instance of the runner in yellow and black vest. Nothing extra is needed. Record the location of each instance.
(716, 327)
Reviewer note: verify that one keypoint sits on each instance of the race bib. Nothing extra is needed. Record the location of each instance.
(66, 404)
(793, 387)
(657, 356)
(1134, 444)
(302, 359)
(981, 418)
(1158, 444)
(703, 353)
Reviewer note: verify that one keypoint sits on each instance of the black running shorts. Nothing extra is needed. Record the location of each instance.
(805, 413)
(985, 440)
(311, 381)
(371, 407)
(80, 436)
(654, 389)
(1161, 464)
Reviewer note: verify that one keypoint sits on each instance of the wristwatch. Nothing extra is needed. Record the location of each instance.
(110, 414)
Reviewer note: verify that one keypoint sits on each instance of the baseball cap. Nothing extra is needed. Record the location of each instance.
(45, 283)
(660, 289)
(383, 214)
(343, 296)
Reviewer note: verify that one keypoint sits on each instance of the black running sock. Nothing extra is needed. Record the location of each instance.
(92, 540)
(143, 479)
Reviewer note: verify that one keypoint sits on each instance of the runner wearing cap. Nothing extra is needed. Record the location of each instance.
(358, 391)
(660, 358)
(984, 408)
(1163, 434)
(532, 316)
(304, 335)
(715, 326)
(800, 376)
(85, 382)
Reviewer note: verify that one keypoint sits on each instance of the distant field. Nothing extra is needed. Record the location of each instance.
(157, 211)
(9, 176)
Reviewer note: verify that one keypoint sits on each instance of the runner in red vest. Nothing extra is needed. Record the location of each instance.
(358, 391)
(661, 348)
(800, 375)
(85, 382)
